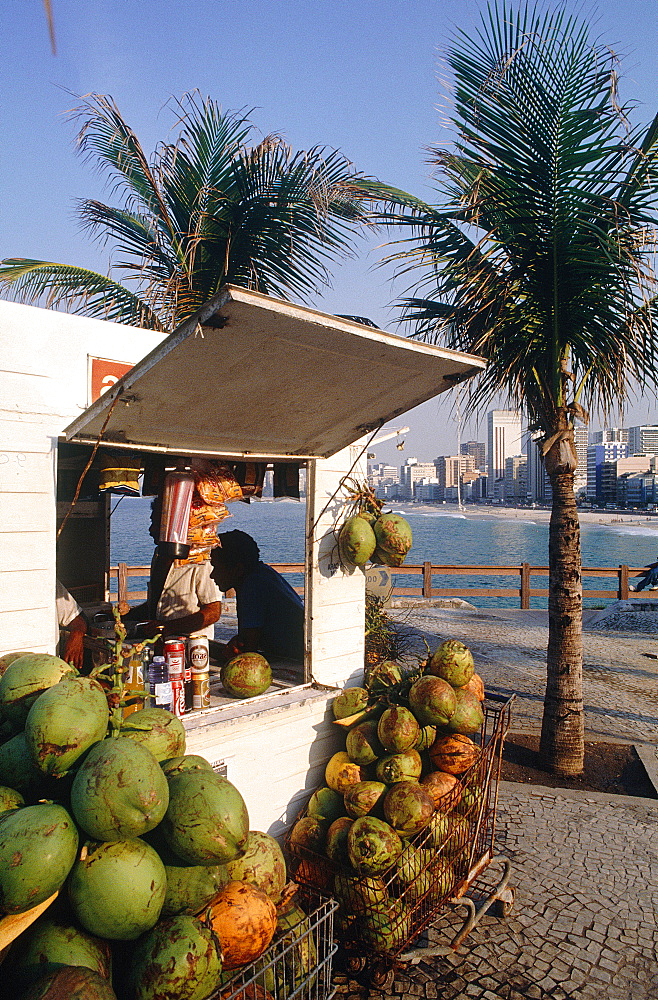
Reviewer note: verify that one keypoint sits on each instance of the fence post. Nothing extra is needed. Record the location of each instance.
(525, 586)
(427, 579)
(622, 591)
(122, 588)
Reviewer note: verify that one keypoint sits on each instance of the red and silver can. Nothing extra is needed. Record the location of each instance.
(178, 696)
(174, 654)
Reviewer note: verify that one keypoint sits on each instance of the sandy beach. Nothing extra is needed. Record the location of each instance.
(538, 514)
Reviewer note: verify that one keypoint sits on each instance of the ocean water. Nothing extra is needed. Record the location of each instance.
(441, 537)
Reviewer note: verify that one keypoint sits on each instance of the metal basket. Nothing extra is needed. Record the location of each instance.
(298, 965)
(384, 914)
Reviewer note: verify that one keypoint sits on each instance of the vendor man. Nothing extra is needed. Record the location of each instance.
(71, 619)
(270, 613)
(190, 602)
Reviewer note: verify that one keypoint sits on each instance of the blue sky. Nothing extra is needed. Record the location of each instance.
(358, 75)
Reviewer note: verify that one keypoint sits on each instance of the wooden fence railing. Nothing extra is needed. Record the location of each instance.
(427, 588)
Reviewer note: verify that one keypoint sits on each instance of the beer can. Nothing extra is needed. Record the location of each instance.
(178, 696)
(174, 652)
(201, 689)
(197, 653)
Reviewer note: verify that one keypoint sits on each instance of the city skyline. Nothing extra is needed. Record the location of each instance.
(615, 465)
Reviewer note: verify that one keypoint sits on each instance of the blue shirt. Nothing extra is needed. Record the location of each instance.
(264, 600)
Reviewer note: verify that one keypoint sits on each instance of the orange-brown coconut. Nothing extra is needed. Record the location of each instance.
(244, 920)
(453, 754)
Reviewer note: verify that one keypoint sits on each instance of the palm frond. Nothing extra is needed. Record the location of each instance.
(77, 290)
(540, 250)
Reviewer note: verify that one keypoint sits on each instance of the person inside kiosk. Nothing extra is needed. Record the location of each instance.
(189, 602)
(270, 612)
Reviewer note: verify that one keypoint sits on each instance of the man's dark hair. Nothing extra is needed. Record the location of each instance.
(238, 547)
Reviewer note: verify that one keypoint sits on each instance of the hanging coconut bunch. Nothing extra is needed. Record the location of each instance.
(368, 534)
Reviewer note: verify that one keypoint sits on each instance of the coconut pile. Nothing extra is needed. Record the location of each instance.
(390, 832)
(163, 890)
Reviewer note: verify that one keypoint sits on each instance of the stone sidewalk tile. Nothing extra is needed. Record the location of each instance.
(509, 646)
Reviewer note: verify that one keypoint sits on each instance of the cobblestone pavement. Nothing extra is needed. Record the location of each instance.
(585, 865)
(583, 925)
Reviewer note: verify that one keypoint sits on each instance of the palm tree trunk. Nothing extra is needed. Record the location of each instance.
(562, 747)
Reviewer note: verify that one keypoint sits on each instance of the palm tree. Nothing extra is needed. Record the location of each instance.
(207, 209)
(538, 257)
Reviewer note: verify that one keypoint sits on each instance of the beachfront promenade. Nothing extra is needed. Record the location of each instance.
(585, 864)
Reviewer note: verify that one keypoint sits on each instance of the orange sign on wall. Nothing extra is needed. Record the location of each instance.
(103, 373)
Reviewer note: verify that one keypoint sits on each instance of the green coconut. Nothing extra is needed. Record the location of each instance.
(350, 701)
(294, 927)
(426, 737)
(159, 730)
(74, 982)
(180, 957)
(262, 865)
(393, 534)
(118, 889)
(25, 679)
(18, 770)
(206, 822)
(453, 662)
(383, 675)
(356, 893)
(65, 721)
(386, 926)
(246, 675)
(356, 541)
(432, 700)
(325, 803)
(189, 887)
(405, 766)
(309, 833)
(372, 845)
(363, 798)
(362, 743)
(468, 716)
(38, 846)
(119, 790)
(188, 762)
(54, 942)
(336, 840)
(10, 799)
(8, 658)
(398, 729)
(408, 807)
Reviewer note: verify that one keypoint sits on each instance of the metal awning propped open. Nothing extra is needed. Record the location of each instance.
(250, 375)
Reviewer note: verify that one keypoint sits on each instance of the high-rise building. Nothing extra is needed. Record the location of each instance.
(504, 441)
(580, 435)
(538, 485)
(599, 455)
(609, 435)
(611, 472)
(447, 471)
(643, 440)
(516, 478)
(413, 472)
(478, 450)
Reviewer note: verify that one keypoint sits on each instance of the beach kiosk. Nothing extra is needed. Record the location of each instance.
(248, 378)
